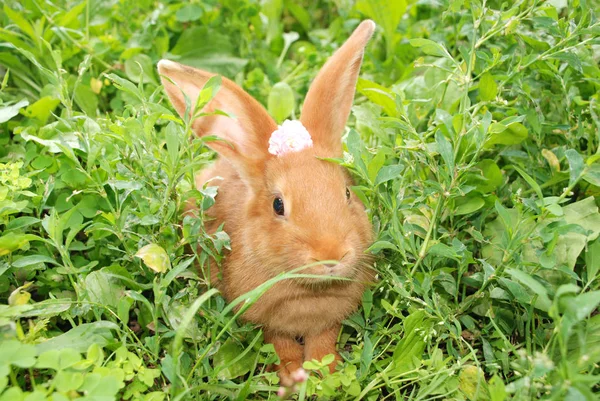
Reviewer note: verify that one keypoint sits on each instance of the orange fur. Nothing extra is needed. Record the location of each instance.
(320, 223)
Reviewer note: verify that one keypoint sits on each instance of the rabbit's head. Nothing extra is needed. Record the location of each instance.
(297, 208)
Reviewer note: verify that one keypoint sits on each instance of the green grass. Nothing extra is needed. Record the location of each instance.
(474, 142)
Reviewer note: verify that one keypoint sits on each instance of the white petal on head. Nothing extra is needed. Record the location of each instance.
(291, 136)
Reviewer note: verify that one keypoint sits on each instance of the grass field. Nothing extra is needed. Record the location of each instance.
(474, 142)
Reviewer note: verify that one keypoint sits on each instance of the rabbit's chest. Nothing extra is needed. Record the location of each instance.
(303, 312)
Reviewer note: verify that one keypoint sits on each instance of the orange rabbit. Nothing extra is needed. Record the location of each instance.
(289, 210)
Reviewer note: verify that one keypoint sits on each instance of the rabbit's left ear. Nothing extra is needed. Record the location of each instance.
(329, 99)
(247, 134)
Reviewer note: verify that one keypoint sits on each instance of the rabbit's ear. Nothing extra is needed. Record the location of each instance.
(246, 135)
(329, 99)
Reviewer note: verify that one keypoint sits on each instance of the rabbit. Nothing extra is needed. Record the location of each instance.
(288, 210)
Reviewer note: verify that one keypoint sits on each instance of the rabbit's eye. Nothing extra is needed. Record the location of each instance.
(347, 193)
(278, 206)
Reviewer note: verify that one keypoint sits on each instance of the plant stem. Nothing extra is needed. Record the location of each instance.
(432, 225)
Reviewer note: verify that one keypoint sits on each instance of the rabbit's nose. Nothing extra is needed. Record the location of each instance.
(331, 262)
(329, 253)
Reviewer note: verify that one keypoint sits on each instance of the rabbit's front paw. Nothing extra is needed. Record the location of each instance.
(290, 354)
(318, 346)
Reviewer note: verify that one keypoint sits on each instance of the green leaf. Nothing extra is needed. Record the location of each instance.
(81, 337)
(226, 355)
(147, 376)
(86, 99)
(186, 321)
(58, 359)
(208, 92)
(172, 136)
(123, 308)
(412, 345)
(22, 222)
(577, 308)
(13, 394)
(32, 260)
(68, 381)
(429, 47)
(442, 250)
(504, 215)
(47, 308)
(472, 383)
(468, 204)
(12, 241)
(543, 301)
(532, 183)
(375, 164)
(140, 68)
(497, 389)
(354, 145)
(367, 302)
(125, 85)
(592, 174)
(445, 149)
(21, 22)
(55, 224)
(492, 173)
(281, 102)
(70, 18)
(65, 143)
(583, 304)
(379, 245)
(8, 112)
(576, 165)
(49, 360)
(536, 44)
(386, 14)
(188, 13)
(273, 9)
(20, 296)
(327, 359)
(488, 270)
(14, 353)
(300, 13)
(95, 354)
(176, 314)
(42, 109)
(572, 59)
(592, 260)
(155, 257)
(488, 89)
(155, 396)
(377, 94)
(101, 388)
(569, 245)
(387, 173)
(510, 134)
(516, 290)
(209, 50)
(366, 356)
(102, 288)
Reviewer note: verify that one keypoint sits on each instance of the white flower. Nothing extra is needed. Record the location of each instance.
(299, 375)
(291, 136)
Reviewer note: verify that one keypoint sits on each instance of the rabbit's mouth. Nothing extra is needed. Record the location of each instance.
(331, 270)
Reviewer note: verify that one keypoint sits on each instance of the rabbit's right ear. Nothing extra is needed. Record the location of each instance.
(329, 99)
(246, 135)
